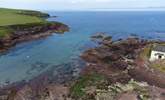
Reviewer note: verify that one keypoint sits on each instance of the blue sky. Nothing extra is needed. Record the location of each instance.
(83, 4)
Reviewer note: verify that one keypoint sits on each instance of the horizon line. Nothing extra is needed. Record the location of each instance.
(95, 9)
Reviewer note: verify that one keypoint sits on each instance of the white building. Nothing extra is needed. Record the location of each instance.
(158, 53)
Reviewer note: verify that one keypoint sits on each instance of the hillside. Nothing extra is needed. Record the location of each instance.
(19, 25)
(13, 17)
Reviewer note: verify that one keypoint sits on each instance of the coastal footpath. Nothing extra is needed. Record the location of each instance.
(24, 25)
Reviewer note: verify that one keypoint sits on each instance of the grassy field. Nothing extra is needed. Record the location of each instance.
(14, 17)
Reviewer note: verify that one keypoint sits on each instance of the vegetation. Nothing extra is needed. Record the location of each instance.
(90, 87)
(159, 65)
(4, 32)
(132, 86)
(145, 54)
(12, 17)
(78, 89)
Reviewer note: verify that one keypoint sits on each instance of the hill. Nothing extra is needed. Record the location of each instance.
(13, 16)
(17, 25)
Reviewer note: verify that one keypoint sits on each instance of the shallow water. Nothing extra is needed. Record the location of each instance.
(30, 59)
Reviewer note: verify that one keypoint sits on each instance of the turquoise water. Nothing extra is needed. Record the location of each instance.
(29, 59)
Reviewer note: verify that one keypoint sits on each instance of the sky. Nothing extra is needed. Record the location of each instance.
(83, 4)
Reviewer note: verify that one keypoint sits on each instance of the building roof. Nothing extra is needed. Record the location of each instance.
(160, 48)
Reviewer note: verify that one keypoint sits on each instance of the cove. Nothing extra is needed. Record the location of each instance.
(30, 59)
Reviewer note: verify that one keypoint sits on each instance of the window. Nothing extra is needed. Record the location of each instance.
(160, 57)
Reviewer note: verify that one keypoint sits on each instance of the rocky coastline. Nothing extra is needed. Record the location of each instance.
(114, 70)
(120, 62)
(30, 31)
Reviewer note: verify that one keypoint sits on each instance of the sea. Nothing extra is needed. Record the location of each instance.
(30, 59)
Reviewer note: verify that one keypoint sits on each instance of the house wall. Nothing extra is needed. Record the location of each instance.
(154, 57)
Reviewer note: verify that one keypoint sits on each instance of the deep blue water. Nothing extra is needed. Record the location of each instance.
(29, 59)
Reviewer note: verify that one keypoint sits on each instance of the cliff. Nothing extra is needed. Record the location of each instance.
(23, 25)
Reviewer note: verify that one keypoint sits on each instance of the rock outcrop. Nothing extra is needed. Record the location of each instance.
(31, 31)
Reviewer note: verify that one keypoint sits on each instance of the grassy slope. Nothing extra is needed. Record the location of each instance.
(15, 17)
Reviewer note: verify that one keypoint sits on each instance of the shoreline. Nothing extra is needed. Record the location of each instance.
(107, 65)
(32, 34)
(29, 25)
(116, 67)
(65, 75)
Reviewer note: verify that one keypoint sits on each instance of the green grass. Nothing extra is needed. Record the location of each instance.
(145, 54)
(14, 17)
(84, 81)
(160, 65)
(4, 32)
